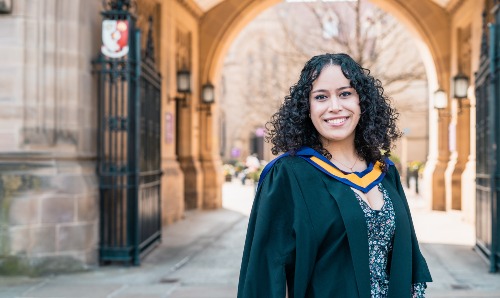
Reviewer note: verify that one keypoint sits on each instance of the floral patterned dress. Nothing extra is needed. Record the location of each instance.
(381, 226)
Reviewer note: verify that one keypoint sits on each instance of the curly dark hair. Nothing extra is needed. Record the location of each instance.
(291, 128)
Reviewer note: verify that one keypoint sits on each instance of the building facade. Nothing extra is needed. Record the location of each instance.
(50, 192)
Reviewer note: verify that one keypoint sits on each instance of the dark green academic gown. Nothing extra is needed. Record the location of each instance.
(308, 231)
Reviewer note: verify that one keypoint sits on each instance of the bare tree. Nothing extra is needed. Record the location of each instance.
(368, 34)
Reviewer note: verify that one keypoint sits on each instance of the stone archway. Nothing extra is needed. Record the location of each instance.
(421, 16)
(429, 22)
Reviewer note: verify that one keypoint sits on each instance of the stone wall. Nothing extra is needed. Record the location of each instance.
(49, 215)
(48, 188)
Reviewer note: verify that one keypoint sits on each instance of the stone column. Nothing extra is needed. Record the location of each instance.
(172, 194)
(463, 146)
(212, 183)
(174, 179)
(469, 173)
(185, 28)
(188, 160)
(438, 176)
(463, 36)
(452, 151)
(211, 163)
(173, 188)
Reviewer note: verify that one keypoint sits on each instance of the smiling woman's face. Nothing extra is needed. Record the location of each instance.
(334, 106)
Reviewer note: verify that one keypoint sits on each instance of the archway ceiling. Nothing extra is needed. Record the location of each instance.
(206, 5)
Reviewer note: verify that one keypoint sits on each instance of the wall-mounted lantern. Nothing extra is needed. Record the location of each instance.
(183, 81)
(440, 100)
(207, 97)
(208, 93)
(460, 86)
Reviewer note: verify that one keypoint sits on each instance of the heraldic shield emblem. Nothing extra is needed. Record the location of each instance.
(114, 38)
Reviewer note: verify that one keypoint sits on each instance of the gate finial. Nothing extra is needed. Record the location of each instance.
(117, 4)
(149, 42)
(484, 37)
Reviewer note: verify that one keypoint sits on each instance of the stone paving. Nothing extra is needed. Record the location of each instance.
(200, 257)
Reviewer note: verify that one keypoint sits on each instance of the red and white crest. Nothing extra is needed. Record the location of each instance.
(114, 38)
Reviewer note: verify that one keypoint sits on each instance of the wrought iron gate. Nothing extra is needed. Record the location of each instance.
(129, 156)
(487, 141)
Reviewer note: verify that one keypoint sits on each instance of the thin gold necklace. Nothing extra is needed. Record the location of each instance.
(350, 168)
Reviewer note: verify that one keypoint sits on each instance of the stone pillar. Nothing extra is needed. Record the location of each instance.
(212, 183)
(48, 187)
(172, 194)
(211, 163)
(452, 151)
(172, 184)
(193, 182)
(469, 174)
(404, 159)
(463, 151)
(463, 50)
(188, 160)
(184, 28)
(438, 176)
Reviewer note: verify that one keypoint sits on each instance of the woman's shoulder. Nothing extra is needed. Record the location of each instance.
(288, 161)
(392, 171)
(284, 165)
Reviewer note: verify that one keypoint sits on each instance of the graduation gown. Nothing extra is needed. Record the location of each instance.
(307, 230)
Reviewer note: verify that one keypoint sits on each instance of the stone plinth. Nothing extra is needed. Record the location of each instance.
(48, 215)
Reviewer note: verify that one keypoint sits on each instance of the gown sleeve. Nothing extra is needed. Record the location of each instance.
(420, 270)
(269, 254)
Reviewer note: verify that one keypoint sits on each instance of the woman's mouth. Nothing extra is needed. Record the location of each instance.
(336, 121)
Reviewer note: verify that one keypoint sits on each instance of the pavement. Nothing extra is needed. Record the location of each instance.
(200, 257)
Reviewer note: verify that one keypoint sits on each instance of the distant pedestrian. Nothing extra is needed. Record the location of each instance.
(252, 162)
(330, 217)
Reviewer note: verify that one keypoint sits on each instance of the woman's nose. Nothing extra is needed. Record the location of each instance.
(335, 104)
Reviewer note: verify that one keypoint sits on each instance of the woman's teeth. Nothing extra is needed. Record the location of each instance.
(337, 120)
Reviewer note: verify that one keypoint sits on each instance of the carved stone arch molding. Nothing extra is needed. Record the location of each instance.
(421, 16)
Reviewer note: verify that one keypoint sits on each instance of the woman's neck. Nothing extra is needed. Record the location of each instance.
(345, 156)
(344, 150)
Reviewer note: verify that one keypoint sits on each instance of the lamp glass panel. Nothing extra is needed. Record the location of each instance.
(208, 94)
(440, 100)
(461, 85)
(183, 82)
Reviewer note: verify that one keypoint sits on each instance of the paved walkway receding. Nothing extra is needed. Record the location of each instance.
(200, 257)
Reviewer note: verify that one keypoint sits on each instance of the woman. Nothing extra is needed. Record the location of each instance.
(330, 218)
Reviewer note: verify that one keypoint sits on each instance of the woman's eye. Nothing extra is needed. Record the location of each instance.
(345, 94)
(320, 97)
